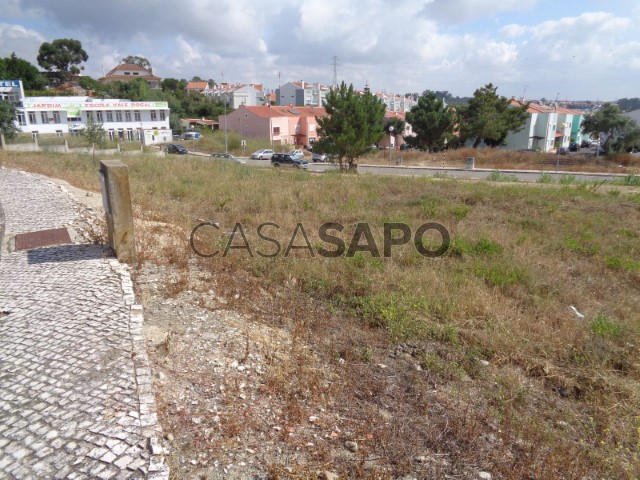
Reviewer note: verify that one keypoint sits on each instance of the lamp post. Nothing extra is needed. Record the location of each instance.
(390, 136)
(226, 99)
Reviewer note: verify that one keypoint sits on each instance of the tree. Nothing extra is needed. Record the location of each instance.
(63, 55)
(490, 117)
(136, 60)
(354, 122)
(14, 68)
(609, 123)
(94, 132)
(432, 122)
(7, 118)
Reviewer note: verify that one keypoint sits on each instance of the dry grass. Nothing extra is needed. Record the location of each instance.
(505, 159)
(560, 396)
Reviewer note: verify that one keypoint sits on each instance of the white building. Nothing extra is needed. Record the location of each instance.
(60, 115)
(235, 95)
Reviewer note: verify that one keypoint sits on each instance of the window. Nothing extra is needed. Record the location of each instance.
(90, 117)
(32, 117)
(21, 119)
(130, 134)
(56, 117)
(136, 113)
(118, 116)
(43, 117)
(162, 115)
(109, 117)
(99, 117)
(276, 130)
(127, 115)
(153, 115)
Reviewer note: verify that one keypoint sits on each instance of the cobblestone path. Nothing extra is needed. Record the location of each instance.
(76, 397)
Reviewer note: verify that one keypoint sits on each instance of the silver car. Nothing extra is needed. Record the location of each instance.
(264, 154)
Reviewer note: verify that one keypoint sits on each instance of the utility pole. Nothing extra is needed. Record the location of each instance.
(335, 71)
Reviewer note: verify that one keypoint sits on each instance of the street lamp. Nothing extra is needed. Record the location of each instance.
(226, 99)
(390, 135)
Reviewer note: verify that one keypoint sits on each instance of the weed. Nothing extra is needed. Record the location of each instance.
(498, 176)
(482, 247)
(617, 263)
(545, 178)
(567, 179)
(631, 180)
(499, 274)
(459, 211)
(582, 245)
(605, 327)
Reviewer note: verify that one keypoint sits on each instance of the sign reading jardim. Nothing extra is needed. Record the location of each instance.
(203, 241)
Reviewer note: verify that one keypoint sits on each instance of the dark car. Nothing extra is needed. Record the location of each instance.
(284, 159)
(585, 144)
(177, 149)
(563, 151)
(573, 147)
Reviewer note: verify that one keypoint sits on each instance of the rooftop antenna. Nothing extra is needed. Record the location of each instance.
(524, 93)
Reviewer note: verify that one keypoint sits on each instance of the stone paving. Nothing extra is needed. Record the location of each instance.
(76, 395)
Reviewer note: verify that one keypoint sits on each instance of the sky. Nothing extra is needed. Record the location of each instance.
(565, 50)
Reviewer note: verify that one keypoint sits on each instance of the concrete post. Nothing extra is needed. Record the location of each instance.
(470, 163)
(116, 199)
(1, 141)
(35, 141)
(66, 146)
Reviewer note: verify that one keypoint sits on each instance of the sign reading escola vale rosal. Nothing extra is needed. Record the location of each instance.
(74, 108)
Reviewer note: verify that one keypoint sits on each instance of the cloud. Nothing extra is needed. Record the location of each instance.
(392, 45)
(460, 11)
(23, 41)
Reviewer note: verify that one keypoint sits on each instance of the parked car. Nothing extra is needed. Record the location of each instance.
(563, 151)
(319, 157)
(264, 154)
(594, 143)
(296, 153)
(191, 136)
(177, 149)
(585, 144)
(228, 156)
(574, 147)
(284, 159)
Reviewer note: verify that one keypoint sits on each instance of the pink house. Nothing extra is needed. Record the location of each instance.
(280, 124)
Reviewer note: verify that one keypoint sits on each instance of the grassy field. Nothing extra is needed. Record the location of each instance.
(492, 318)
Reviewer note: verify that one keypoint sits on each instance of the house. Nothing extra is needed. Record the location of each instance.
(547, 128)
(126, 72)
(198, 122)
(398, 138)
(281, 125)
(235, 95)
(197, 87)
(300, 94)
